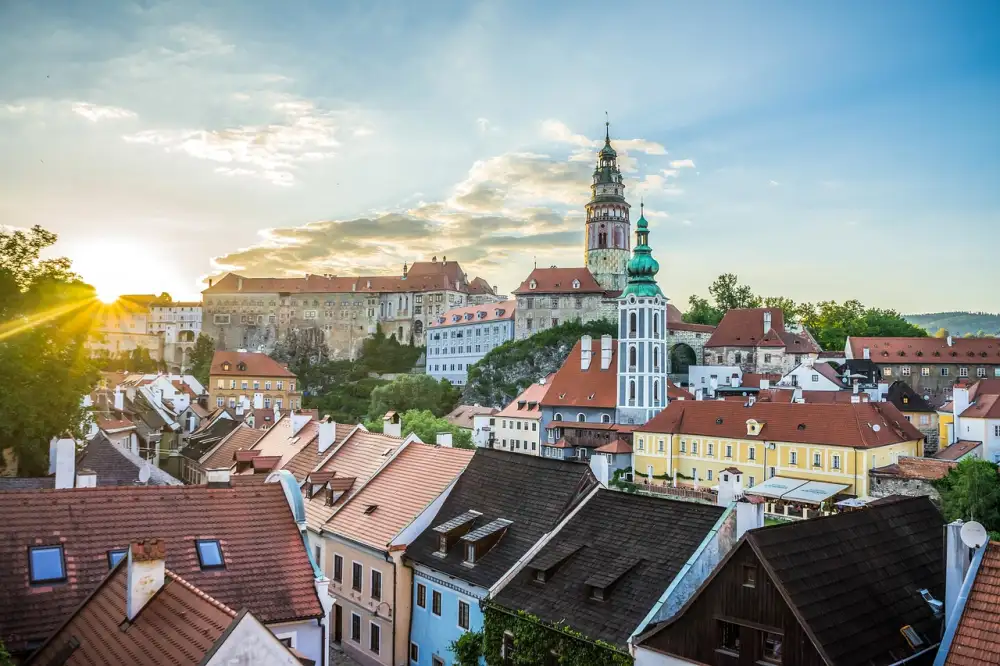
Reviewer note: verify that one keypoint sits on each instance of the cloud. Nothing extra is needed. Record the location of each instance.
(485, 125)
(773, 183)
(96, 112)
(682, 164)
(14, 109)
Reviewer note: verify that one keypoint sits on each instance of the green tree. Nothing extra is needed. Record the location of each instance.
(468, 648)
(942, 333)
(787, 306)
(201, 358)
(407, 392)
(971, 491)
(45, 315)
(831, 322)
(700, 311)
(729, 294)
(426, 426)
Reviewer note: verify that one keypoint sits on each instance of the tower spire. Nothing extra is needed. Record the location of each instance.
(607, 128)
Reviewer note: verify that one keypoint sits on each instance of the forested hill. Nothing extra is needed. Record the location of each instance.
(510, 368)
(958, 323)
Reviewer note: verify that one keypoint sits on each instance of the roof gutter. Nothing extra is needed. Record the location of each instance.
(956, 614)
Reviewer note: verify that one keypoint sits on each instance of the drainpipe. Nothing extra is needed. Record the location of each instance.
(395, 583)
(855, 471)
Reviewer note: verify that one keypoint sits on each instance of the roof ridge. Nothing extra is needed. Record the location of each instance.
(204, 595)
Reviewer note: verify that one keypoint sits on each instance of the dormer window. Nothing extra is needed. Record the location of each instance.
(479, 541)
(576, 284)
(226, 366)
(451, 530)
(753, 427)
(532, 284)
(242, 366)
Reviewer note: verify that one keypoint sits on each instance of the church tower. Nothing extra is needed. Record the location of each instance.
(608, 229)
(642, 335)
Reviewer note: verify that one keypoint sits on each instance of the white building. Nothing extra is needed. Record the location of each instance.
(460, 337)
(810, 376)
(518, 425)
(976, 412)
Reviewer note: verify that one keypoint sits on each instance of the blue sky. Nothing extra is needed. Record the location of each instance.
(820, 150)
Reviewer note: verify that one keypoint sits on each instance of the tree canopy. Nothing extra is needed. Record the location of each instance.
(426, 426)
(971, 491)
(201, 358)
(413, 392)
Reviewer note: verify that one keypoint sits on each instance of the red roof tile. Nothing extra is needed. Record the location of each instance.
(559, 281)
(309, 455)
(227, 363)
(475, 314)
(694, 328)
(977, 636)
(985, 407)
(265, 463)
(744, 327)
(675, 392)
(851, 425)
(968, 351)
(222, 455)
(753, 379)
(528, 404)
(908, 467)
(267, 568)
(617, 446)
(114, 424)
(957, 450)
(463, 416)
(574, 387)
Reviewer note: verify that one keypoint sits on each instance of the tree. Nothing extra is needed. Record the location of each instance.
(45, 316)
(700, 311)
(426, 426)
(831, 322)
(786, 305)
(942, 333)
(971, 491)
(407, 392)
(729, 294)
(201, 358)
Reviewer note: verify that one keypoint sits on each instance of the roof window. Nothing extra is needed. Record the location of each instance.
(46, 564)
(370, 509)
(242, 366)
(209, 554)
(601, 583)
(450, 530)
(532, 284)
(479, 541)
(226, 366)
(115, 556)
(545, 565)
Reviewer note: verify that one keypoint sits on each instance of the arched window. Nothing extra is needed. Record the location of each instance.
(632, 323)
(581, 417)
(605, 418)
(557, 417)
(632, 356)
(656, 391)
(656, 325)
(656, 358)
(631, 391)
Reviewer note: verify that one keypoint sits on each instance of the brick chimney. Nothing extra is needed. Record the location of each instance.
(586, 351)
(146, 572)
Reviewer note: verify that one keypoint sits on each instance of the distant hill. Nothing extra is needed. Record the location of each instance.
(957, 323)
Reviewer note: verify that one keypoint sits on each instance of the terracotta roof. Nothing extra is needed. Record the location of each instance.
(836, 424)
(118, 466)
(753, 379)
(976, 641)
(278, 441)
(673, 314)
(985, 407)
(463, 415)
(480, 286)
(257, 365)
(265, 463)
(404, 488)
(267, 568)
(221, 456)
(957, 450)
(114, 424)
(422, 276)
(744, 327)
(907, 467)
(573, 387)
(984, 387)
(966, 351)
(675, 392)
(561, 443)
(832, 396)
(559, 281)
(527, 405)
(475, 314)
(309, 455)
(694, 328)
(617, 446)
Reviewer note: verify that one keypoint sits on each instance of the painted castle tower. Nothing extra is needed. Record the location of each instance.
(608, 230)
(642, 336)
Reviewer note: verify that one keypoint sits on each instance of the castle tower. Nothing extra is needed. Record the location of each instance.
(642, 337)
(608, 229)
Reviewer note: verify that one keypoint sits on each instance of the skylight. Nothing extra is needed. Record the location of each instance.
(370, 509)
(47, 564)
(209, 554)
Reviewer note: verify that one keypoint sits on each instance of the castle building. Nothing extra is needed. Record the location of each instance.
(606, 250)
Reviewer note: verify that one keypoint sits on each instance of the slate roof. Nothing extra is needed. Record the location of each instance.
(744, 327)
(463, 415)
(559, 281)
(534, 493)
(221, 457)
(116, 467)
(27, 483)
(907, 467)
(976, 640)
(573, 387)
(834, 424)
(905, 399)
(656, 536)
(267, 568)
(965, 351)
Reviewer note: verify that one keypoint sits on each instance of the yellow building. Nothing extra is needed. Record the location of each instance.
(830, 442)
(254, 379)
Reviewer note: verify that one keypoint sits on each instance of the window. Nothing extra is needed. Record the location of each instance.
(729, 637)
(116, 556)
(793, 458)
(767, 358)
(817, 460)
(752, 454)
(694, 473)
(355, 627)
(711, 449)
(288, 640)
(357, 574)
(925, 419)
(221, 383)
(338, 568)
(835, 461)
(708, 475)
(437, 661)
(750, 575)
(436, 602)
(905, 371)
(376, 585)
(963, 372)
(751, 482)
(642, 445)
(770, 472)
(660, 446)
(771, 648)
(463, 615)
(925, 372)
(267, 386)
(281, 385)
(421, 595)
(944, 372)
(683, 446)
(581, 418)
(244, 385)
(414, 652)
(694, 448)
(47, 564)
(209, 554)
(219, 402)
(887, 372)
(996, 431)
(729, 450)
(980, 372)
(374, 638)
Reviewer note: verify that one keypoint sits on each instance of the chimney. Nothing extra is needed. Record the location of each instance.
(391, 424)
(217, 478)
(299, 420)
(86, 478)
(327, 433)
(119, 399)
(605, 352)
(404, 269)
(210, 282)
(857, 386)
(444, 259)
(239, 284)
(65, 462)
(730, 486)
(959, 403)
(146, 572)
(957, 559)
(434, 259)
(586, 351)
(866, 353)
(443, 439)
(767, 321)
(258, 401)
(765, 384)
(950, 341)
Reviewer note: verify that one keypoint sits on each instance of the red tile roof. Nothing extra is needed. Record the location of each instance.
(463, 416)
(969, 351)
(243, 437)
(744, 327)
(480, 286)
(267, 568)
(694, 328)
(985, 407)
(114, 424)
(521, 406)
(984, 387)
(977, 636)
(475, 314)
(559, 281)
(957, 450)
(908, 467)
(309, 455)
(851, 425)
(675, 392)
(574, 387)
(753, 379)
(257, 365)
(617, 446)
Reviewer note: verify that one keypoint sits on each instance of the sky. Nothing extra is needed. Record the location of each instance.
(821, 150)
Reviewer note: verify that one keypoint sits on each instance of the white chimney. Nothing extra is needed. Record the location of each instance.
(65, 462)
(146, 572)
(857, 386)
(765, 384)
(218, 478)
(443, 439)
(957, 559)
(950, 341)
(767, 321)
(86, 478)
(866, 353)
(959, 403)
(391, 424)
(119, 399)
(299, 420)
(586, 351)
(749, 516)
(605, 352)
(327, 434)
(258, 401)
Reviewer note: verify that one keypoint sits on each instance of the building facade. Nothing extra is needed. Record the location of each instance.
(459, 338)
(125, 326)
(552, 296)
(251, 379)
(759, 340)
(517, 427)
(606, 251)
(179, 325)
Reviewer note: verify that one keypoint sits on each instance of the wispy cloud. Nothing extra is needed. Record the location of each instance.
(682, 164)
(96, 112)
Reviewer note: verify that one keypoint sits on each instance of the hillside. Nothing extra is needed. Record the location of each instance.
(957, 323)
(507, 370)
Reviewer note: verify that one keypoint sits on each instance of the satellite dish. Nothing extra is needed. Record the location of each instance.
(876, 427)
(974, 535)
(144, 473)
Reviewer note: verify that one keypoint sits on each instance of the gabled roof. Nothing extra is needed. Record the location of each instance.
(399, 492)
(617, 446)
(221, 456)
(534, 493)
(309, 455)
(559, 281)
(985, 397)
(650, 538)
(964, 351)
(479, 286)
(675, 392)
(744, 327)
(268, 570)
(902, 396)
(862, 425)
(255, 364)
(957, 450)
(475, 314)
(463, 415)
(574, 387)
(527, 405)
(114, 466)
(975, 640)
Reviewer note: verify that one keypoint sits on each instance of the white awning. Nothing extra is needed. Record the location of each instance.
(852, 503)
(776, 486)
(797, 490)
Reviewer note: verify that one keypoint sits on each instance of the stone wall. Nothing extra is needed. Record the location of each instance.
(933, 384)
(757, 360)
(694, 339)
(883, 486)
(538, 312)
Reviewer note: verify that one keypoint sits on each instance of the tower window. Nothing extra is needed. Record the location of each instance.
(632, 355)
(632, 323)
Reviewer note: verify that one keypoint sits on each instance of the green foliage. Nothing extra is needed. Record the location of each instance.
(510, 368)
(386, 355)
(45, 317)
(426, 426)
(958, 323)
(971, 491)
(729, 294)
(5, 659)
(535, 642)
(468, 648)
(407, 392)
(201, 358)
(700, 311)
(831, 322)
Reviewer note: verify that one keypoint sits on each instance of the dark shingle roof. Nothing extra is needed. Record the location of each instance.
(27, 483)
(650, 538)
(534, 493)
(905, 399)
(114, 467)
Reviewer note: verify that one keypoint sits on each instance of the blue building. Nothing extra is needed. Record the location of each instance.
(501, 506)
(460, 337)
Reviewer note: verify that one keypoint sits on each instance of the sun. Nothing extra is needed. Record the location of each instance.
(107, 296)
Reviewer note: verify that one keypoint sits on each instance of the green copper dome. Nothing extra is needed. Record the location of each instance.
(642, 268)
